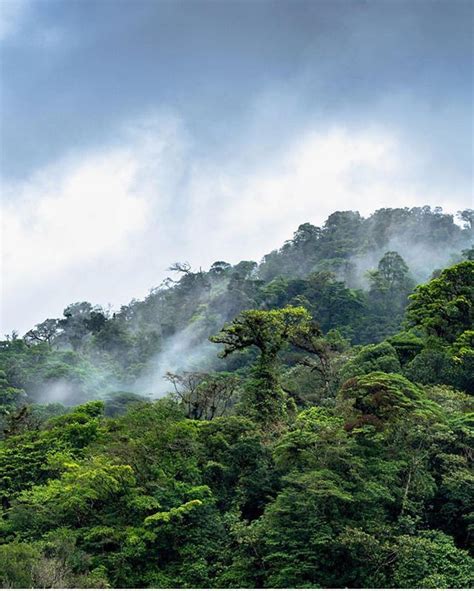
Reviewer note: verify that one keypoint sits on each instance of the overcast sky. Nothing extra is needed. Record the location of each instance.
(135, 133)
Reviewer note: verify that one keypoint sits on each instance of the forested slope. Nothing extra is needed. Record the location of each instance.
(353, 275)
(314, 426)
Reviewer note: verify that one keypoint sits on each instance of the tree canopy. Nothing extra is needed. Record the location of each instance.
(302, 422)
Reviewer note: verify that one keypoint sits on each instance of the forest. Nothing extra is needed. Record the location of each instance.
(305, 421)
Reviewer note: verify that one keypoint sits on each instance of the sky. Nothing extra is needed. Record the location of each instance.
(137, 133)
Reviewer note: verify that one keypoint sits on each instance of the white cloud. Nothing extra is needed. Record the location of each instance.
(104, 226)
(64, 218)
(246, 215)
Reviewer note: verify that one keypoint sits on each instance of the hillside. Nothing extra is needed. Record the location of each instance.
(305, 421)
(352, 275)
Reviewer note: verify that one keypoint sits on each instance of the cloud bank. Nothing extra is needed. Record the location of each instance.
(104, 225)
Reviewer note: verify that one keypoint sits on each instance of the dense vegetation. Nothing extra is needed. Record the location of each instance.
(317, 430)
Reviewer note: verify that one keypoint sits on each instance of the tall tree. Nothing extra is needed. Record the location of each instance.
(268, 331)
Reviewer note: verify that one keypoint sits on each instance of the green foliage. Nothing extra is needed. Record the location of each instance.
(117, 403)
(391, 280)
(72, 499)
(377, 397)
(407, 345)
(444, 307)
(431, 560)
(176, 513)
(11, 400)
(54, 563)
(269, 331)
(295, 460)
(10, 397)
(381, 357)
(17, 562)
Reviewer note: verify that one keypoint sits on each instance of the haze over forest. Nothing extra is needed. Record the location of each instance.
(316, 407)
(330, 269)
(237, 297)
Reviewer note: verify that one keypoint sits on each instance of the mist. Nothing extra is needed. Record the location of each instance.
(97, 351)
(188, 350)
(421, 261)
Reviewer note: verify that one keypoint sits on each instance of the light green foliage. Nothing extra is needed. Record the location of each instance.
(24, 457)
(444, 307)
(269, 331)
(176, 513)
(72, 499)
(463, 347)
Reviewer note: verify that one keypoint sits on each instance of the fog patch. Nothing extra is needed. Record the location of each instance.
(421, 259)
(187, 350)
(60, 391)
